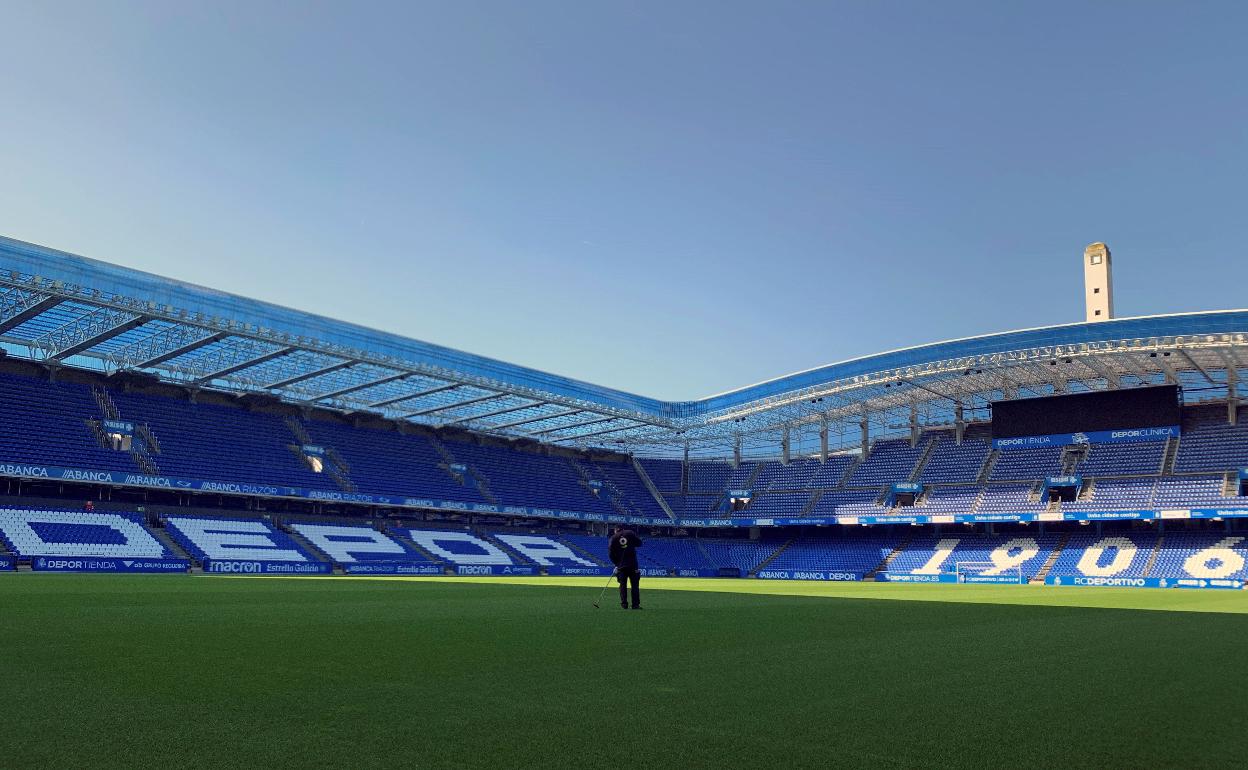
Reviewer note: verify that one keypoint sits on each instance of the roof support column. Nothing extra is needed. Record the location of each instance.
(1232, 395)
(823, 441)
(684, 476)
(914, 423)
(866, 433)
(785, 444)
(959, 422)
(736, 451)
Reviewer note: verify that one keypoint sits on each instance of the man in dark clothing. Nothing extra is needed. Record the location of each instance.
(624, 545)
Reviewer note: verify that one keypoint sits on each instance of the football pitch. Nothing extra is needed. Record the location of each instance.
(177, 671)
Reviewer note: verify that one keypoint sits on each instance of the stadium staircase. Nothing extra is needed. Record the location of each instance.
(105, 403)
(1152, 557)
(849, 470)
(1072, 456)
(1086, 491)
(1034, 494)
(334, 465)
(306, 545)
(762, 565)
(810, 504)
(613, 493)
(1170, 455)
(654, 491)
(97, 429)
(702, 550)
(511, 552)
(473, 476)
(979, 500)
(1049, 562)
(482, 484)
(410, 543)
(928, 450)
(141, 450)
(1230, 484)
(883, 566)
(157, 528)
(986, 471)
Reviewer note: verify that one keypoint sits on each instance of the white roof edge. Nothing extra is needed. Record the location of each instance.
(963, 339)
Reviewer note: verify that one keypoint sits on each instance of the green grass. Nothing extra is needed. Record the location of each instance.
(116, 671)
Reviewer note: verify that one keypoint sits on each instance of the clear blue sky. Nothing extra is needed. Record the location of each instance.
(674, 198)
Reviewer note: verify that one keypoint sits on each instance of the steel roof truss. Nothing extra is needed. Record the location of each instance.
(456, 405)
(417, 394)
(17, 306)
(309, 375)
(544, 417)
(494, 413)
(240, 366)
(361, 386)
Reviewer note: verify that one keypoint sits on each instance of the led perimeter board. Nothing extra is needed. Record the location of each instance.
(1107, 415)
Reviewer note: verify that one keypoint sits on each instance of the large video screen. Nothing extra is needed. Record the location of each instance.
(1151, 407)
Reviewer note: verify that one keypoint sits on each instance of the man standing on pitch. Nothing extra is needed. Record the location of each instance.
(624, 545)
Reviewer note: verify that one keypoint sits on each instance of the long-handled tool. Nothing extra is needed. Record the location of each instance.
(604, 590)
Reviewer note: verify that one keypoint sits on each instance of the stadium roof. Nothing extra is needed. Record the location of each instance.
(63, 309)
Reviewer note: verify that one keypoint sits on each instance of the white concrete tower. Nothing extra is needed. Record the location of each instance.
(1098, 283)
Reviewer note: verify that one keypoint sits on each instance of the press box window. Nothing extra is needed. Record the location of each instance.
(120, 442)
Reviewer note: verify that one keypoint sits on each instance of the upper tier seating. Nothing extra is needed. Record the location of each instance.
(621, 481)
(1023, 464)
(1209, 443)
(1116, 494)
(1009, 498)
(889, 461)
(525, 478)
(954, 500)
(389, 462)
(1193, 492)
(708, 475)
(664, 474)
(953, 463)
(1138, 459)
(780, 504)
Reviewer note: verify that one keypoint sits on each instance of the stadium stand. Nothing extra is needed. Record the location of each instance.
(827, 553)
(1210, 444)
(234, 538)
(75, 533)
(888, 462)
(1117, 555)
(1201, 555)
(992, 555)
(666, 475)
(343, 544)
(1021, 464)
(708, 476)
(953, 463)
(1143, 458)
